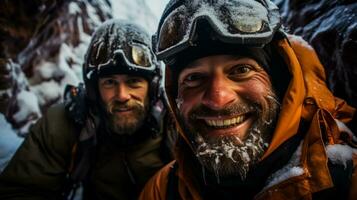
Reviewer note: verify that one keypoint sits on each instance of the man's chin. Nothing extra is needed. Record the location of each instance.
(125, 126)
(228, 155)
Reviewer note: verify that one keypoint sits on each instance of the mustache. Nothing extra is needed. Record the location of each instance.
(230, 110)
(114, 105)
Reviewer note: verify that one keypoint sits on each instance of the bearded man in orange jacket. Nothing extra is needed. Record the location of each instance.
(255, 117)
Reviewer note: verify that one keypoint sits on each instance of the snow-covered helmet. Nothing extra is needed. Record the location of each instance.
(118, 46)
(243, 22)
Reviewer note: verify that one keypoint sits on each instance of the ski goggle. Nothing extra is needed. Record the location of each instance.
(233, 21)
(129, 58)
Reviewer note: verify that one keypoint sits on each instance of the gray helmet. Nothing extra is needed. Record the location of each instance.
(120, 47)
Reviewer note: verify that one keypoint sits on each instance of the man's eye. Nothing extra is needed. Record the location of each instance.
(135, 82)
(193, 80)
(109, 82)
(240, 70)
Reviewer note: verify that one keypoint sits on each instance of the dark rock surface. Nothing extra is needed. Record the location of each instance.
(331, 28)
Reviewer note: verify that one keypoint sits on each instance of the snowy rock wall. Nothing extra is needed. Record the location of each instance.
(331, 28)
(43, 44)
(47, 53)
(46, 43)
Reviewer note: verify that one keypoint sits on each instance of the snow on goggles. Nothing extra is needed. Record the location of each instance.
(134, 57)
(251, 22)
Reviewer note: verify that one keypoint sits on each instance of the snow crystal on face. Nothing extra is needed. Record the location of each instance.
(179, 102)
(9, 142)
(290, 170)
(339, 154)
(28, 105)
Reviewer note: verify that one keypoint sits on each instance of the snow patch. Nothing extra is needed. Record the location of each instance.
(93, 16)
(246, 15)
(252, 12)
(343, 128)
(139, 12)
(66, 53)
(28, 106)
(9, 142)
(73, 8)
(47, 92)
(6, 92)
(292, 169)
(339, 154)
(46, 69)
(301, 41)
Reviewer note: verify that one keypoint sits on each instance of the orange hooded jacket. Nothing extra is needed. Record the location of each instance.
(308, 98)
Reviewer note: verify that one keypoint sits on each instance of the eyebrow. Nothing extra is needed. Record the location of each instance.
(107, 76)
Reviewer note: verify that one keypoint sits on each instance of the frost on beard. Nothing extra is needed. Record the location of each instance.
(229, 155)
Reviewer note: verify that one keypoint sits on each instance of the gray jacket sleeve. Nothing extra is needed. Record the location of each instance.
(39, 167)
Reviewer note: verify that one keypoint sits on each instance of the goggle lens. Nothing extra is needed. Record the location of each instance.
(174, 29)
(141, 55)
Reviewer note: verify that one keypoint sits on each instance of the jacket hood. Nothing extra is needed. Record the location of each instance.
(306, 93)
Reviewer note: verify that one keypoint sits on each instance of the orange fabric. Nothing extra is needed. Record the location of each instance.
(291, 107)
(307, 97)
(156, 187)
(314, 156)
(296, 188)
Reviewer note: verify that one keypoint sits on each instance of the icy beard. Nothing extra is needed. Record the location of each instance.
(126, 125)
(228, 155)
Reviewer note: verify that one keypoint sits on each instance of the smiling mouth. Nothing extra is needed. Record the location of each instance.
(226, 123)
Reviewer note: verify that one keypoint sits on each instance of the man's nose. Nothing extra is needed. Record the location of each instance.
(219, 93)
(122, 93)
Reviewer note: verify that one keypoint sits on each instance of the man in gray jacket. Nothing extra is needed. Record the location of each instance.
(109, 136)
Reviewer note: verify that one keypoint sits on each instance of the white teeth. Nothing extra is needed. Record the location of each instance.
(234, 120)
(226, 122)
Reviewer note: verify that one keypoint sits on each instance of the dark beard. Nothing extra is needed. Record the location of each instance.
(126, 125)
(228, 155)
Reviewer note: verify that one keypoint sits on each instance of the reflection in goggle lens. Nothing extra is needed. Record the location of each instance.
(140, 55)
